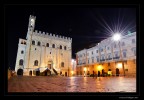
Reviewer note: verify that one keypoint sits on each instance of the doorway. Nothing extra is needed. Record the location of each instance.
(20, 72)
(30, 73)
(117, 72)
(65, 73)
(98, 73)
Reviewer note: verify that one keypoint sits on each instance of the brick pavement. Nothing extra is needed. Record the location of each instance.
(71, 84)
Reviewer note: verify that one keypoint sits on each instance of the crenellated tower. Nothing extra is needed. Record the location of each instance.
(30, 31)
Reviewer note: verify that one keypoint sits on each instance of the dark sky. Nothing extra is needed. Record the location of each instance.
(84, 24)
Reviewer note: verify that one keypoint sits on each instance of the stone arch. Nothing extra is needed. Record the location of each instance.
(33, 42)
(53, 46)
(38, 43)
(60, 46)
(36, 63)
(20, 72)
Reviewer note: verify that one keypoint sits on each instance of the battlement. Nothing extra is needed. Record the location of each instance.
(45, 34)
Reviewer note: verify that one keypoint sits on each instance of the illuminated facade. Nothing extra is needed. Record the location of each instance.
(43, 53)
(109, 57)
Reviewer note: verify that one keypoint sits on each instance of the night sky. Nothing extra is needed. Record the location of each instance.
(86, 25)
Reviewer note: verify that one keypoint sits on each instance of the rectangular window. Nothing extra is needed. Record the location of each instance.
(97, 59)
(124, 54)
(92, 59)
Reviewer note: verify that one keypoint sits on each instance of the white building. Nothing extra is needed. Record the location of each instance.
(43, 52)
(109, 54)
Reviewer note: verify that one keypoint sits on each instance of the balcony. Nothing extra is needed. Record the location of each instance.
(116, 57)
(109, 59)
(102, 60)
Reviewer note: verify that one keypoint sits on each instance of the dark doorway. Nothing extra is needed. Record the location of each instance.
(45, 73)
(117, 72)
(103, 72)
(65, 73)
(98, 73)
(20, 72)
(30, 73)
(37, 73)
(60, 73)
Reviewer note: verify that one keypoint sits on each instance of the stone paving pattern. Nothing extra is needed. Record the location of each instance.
(71, 84)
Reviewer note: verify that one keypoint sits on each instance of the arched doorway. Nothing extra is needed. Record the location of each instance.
(30, 73)
(65, 73)
(20, 72)
(98, 73)
(117, 72)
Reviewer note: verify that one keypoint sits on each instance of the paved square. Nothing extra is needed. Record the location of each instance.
(71, 84)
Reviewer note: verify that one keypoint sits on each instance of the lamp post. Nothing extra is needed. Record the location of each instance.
(117, 37)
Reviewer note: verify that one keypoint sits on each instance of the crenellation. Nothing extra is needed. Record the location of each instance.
(42, 51)
(43, 33)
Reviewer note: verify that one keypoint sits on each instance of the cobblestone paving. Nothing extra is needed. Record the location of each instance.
(71, 84)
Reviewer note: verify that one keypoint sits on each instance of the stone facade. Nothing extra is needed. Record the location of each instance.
(109, 57)
(42, 51)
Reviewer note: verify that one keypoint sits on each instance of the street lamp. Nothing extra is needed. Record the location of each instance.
(117, 37)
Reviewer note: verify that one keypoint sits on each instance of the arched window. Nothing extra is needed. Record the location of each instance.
(24, 42)
(33, 42)
(39, 44)
(53, 45)
(21, 62)
(36, 63)
(62, 64)
(47, 44)
(22, 52)
(21, 42)
(60, 47)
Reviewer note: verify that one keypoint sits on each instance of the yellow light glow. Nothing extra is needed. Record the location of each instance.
(119, 65)
(99, 67)
(72, 72)
(110, 72)
(85, 69)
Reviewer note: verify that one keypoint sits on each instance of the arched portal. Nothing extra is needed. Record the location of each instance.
(20, 72)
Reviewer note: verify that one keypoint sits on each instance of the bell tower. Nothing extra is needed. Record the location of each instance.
(31, 25)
